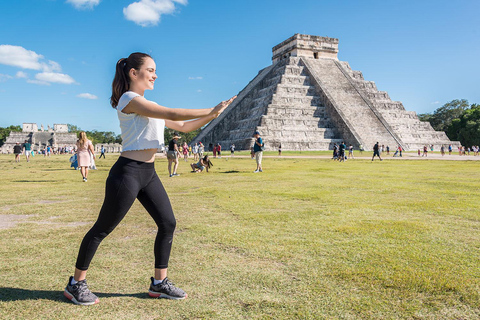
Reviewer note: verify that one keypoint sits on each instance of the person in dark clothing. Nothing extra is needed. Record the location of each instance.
(376, 151)
(17, 150)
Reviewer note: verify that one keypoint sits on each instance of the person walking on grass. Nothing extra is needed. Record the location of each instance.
(350, 152)
(28, 149)
(102, 152)
(133, 176)
(84, 149)
(17, 151)
(185, 151)
(376, 151)
(173, 155)
(258, 151)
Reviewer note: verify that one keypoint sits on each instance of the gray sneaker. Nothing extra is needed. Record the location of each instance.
(79, 293)
(166, 289)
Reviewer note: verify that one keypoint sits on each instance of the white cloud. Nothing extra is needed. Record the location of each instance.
(21, 74)
(5, 77)
(54, 77)
(148, 12)
(87, 96)
(199, 90)
(84, 4)
(17, 56)
(42, 83)
(195, 78)
(436, 102)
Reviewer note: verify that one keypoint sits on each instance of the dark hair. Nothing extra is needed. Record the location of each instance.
(121, 82)
(207, 162)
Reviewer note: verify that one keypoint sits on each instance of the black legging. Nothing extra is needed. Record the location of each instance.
(129, 180)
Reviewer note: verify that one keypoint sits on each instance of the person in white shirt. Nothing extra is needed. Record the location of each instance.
(133, 176)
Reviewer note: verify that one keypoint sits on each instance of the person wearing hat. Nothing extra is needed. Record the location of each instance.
(172, 155)
(258, 150)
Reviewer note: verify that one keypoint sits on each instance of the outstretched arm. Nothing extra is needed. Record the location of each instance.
(188, 126)
(142, 106)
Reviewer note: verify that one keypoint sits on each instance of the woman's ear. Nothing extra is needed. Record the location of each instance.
(132, 73)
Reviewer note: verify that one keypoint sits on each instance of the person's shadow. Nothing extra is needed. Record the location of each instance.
(18, 294)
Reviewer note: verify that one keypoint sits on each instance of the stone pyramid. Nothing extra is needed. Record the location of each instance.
(309, 100)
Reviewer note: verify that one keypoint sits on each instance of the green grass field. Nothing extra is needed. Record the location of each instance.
(306, 239)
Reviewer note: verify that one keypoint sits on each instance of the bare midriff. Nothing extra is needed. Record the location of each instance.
(147, 155)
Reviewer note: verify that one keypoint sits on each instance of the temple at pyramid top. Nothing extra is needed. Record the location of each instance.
(304, 45)
(309, 100)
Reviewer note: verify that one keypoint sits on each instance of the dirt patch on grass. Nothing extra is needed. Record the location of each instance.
(11, 220)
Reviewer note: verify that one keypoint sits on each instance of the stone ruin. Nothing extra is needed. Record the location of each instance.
(58, 136)
(309, 100)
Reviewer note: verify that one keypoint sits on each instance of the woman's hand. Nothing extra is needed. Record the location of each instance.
(222, 106)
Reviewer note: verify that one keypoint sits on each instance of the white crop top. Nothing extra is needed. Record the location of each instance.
(139, 132)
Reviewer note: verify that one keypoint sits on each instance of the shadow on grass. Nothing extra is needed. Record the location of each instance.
(18, 294)
(35, 180)
(231, 171)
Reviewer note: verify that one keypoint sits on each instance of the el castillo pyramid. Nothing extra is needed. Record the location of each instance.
(309, 100)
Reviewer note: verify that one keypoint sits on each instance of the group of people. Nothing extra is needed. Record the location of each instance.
(339, 152)
(26, 148)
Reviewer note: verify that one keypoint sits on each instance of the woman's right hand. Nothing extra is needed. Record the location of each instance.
(222, 106)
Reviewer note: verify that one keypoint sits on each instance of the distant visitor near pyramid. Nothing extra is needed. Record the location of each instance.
(309, 100)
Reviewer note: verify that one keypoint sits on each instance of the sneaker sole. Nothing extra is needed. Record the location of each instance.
(70, 297)
(154, 294)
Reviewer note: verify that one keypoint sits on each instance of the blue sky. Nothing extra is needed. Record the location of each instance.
(57, 57)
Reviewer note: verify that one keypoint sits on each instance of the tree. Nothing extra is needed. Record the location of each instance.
(466, 128)
(188, 137)
(443, 116)
(5, 132)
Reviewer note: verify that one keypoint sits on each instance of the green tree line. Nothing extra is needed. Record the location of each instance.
(458, 119)
(4, 132)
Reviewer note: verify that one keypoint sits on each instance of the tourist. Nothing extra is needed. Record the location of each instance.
(195, 151)
(219, 150)
(442, 150)
(341, 151)
(49, 151)
(388, 150)
(28, 149)
(232, 150)
(185, 151)
(201, 165)
(350, 152)
(201, 149)
(102, 152)
(172, 155)
(133, 176)
(425, 151)
(84, 149)
(450, 149)
(17, 151)
(280, 149)
(335, 152)
(258, 151)
(215, 151)
(376, 151)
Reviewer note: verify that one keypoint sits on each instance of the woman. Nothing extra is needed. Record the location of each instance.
(201, 165)
(133, 176)
(172, 155)
(185, 151)
(84, 148)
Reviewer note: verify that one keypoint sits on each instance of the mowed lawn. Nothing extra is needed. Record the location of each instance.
(306, 239)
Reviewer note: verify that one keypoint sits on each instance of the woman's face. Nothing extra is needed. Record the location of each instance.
(146, 76)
